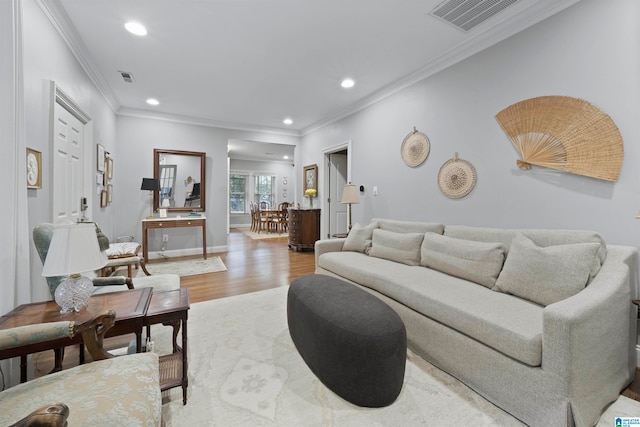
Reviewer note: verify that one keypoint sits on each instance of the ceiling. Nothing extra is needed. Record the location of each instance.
(248, 64)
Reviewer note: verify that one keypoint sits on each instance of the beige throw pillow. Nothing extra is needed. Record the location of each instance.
(479, 262)
(359, 238)
(546, 275)
(398, 247)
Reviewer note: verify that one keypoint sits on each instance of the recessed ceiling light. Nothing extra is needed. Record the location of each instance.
(287, 121)
(136, 28)
(347, 83)
(153, 101)
(285, 157)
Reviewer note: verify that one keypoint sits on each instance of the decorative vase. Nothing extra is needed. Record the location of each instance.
(310, 202)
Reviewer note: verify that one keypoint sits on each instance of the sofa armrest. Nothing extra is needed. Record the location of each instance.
(589, 339)
(329, 245)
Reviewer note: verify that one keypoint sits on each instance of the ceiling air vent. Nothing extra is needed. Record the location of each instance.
(467, 14)
(126, 76)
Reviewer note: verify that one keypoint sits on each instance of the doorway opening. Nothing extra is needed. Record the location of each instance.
(337, 173)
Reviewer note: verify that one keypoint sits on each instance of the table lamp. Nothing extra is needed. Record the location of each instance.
(152, 185)
(73, 250)
(349, 197)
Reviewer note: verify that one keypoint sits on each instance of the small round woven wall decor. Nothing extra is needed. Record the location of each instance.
(415, 148)
(456, 178)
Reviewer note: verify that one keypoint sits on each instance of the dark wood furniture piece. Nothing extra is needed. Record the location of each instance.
(130, 307)
(150, 224)
(304, 228)
(171, 308)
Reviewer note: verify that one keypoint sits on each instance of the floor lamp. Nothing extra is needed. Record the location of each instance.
(349, 197)
(150, 184)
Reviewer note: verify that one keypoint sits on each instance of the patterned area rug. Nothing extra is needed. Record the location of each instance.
(212, 264)
(263, 234)
(245, 371)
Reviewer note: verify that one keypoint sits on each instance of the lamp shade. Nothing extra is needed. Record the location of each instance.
(150, 184)
(349, 194)
(73, 249)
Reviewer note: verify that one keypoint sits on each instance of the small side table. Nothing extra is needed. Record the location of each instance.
(340, 235)
(171, 309)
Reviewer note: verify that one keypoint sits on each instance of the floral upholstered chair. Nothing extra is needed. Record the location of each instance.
(111, 391)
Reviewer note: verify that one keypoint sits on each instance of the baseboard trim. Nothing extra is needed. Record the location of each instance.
(186, 252)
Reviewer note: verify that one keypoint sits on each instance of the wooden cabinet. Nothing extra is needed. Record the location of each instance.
(304, 228)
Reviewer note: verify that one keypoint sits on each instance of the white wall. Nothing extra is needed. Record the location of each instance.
(47, 58)
(138, 137)
(589, 51)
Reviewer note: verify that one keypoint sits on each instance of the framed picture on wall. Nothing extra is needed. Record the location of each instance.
(34, 168)
(109, 168)
(109, 193)
(100, 158)
(310, 176)
(103, 199)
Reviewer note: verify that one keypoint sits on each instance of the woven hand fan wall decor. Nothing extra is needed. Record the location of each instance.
(564, 133)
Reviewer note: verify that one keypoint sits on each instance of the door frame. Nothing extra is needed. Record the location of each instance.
(347, 145)
(60, 97)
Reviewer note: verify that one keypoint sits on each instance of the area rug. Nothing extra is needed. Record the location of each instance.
(262, 235)
(191, 267)
(244, 370)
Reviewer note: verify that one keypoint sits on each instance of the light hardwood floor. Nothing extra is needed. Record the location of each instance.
(252, 265)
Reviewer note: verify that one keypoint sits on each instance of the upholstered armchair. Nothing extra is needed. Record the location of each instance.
(42, 234)
(109, 391)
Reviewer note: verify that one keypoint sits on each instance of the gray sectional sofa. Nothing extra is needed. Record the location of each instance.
(539, 322)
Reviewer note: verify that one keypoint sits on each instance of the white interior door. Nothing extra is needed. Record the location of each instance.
(337, 165)
(68, 181)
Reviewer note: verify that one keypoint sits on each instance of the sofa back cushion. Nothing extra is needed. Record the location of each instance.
(408, 226)
(398, 247)
(542, 238)
(479, 262)
(359, 238)
(545, 275)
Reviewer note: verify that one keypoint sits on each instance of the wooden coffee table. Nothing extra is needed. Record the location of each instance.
(171, 308)
(130, 307)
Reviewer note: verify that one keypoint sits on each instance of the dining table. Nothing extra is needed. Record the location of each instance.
(269, 215)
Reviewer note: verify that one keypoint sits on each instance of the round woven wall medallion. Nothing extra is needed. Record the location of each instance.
(456, 178)
(415, 148)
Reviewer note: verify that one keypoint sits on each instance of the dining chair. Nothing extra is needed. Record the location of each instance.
(283, 216)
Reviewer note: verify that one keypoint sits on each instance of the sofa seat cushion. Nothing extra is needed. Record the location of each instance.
(503, 322)
(122, 391)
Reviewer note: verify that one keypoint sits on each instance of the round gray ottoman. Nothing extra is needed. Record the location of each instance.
(352, 341)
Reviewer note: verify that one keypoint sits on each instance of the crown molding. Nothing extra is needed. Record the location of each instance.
(145, 114)
(482, 40)
(54, 11)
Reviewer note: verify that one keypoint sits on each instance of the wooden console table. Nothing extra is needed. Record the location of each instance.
(150, 224)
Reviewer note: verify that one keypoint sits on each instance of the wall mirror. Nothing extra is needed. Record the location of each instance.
(182, 180)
